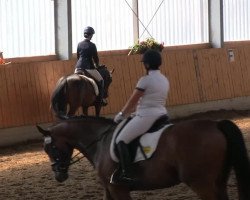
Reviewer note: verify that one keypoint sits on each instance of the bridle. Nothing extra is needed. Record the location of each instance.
(62, 166)
(58, 164)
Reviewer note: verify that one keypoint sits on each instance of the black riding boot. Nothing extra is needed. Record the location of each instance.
(100, 99)
(122, 175)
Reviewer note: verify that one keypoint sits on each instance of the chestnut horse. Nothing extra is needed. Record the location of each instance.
(199, 153)
(76, 91)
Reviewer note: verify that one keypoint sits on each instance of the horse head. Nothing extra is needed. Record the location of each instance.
(107, 77)
(59, 153)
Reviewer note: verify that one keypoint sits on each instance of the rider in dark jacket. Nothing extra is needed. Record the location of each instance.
(87, 60)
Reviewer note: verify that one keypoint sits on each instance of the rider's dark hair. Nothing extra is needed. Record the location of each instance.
(152, 58)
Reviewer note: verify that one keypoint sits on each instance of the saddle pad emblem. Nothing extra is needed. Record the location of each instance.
(147, 149)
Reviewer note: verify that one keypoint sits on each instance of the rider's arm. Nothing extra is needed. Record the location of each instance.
(132, 102)
(78, 52)
(95, 56)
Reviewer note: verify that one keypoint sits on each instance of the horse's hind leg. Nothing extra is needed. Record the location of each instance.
(97, 109)
(210, 191)
(107, 195)
(85, 110)
(120, 193)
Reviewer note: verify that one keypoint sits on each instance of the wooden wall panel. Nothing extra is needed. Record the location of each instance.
(236, 75)
(170, 72)
(214, 74)
(4, 98)
(195, 76)
(22, 94)
(242, 57)
(180, 69)
(245, 59)
(32, 78)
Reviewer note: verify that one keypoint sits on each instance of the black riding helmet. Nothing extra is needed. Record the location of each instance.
(88, 31)
(152, 58)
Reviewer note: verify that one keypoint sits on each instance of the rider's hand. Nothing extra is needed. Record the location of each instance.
(119, 117)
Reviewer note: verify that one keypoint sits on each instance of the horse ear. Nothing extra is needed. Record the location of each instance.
(44, 132)
(112, 71)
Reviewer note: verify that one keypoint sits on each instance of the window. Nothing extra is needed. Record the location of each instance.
(176, 22)
(111, 19)
(27, 28)
(236, 20)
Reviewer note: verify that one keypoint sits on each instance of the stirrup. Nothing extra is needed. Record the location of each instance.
(119, 178)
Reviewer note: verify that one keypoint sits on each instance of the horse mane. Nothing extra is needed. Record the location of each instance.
(84, 117)
(102, 67)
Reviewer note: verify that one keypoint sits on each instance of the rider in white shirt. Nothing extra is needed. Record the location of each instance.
(149, 99)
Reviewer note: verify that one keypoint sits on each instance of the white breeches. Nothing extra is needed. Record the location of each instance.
(93, 72)
(136, 127)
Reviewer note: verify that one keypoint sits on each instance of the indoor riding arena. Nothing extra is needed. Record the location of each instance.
(205, 48)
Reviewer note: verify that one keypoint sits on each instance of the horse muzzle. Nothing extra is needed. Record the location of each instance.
(61, 176)
(61, 172)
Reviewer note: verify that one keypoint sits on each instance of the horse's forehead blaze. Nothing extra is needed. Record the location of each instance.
(47, 140)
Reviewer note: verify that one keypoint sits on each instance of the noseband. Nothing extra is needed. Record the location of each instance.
(62, 166)
(58, 164)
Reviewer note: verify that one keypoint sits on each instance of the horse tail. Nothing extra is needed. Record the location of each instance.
(58, 98)
(237, 156)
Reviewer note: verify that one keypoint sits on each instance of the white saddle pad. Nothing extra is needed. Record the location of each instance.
(93, 84)
(149, 142)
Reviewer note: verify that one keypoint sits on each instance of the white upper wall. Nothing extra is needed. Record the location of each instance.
(176, 22)
(27, 26)
(111, 19)
(236, 20)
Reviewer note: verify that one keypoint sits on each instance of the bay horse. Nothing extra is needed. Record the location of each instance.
(77, 91)
(199, 153)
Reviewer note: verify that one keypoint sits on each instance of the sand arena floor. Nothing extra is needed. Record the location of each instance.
(25, 173)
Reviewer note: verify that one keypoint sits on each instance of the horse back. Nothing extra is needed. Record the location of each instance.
(80, 89)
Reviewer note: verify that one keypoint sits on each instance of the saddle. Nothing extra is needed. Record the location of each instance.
(94, 82)
(142, 147)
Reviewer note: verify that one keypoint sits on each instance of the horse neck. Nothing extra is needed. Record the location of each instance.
(97, 151)
(104, 73)
(90, 142)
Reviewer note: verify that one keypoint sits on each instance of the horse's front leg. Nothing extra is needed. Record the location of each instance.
(72, 110)
(107, 195)
(85, 110)
(119, 192)
(98, 107)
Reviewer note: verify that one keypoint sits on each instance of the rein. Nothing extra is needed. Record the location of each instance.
(72, 161)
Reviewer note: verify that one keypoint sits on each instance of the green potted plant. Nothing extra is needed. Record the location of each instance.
(149, 43)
